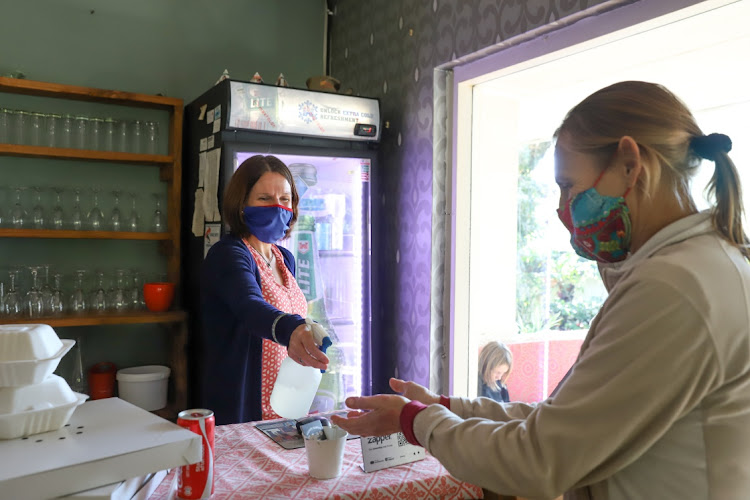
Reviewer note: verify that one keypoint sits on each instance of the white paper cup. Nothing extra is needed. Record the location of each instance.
(325, 457)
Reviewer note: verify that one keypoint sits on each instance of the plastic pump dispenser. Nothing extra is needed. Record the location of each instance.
(296, 385)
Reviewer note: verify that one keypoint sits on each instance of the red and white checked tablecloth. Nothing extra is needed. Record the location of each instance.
(249, 465)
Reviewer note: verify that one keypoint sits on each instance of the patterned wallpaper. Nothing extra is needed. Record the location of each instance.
(388, 49)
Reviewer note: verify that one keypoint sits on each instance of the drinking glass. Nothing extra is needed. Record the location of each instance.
(122, 135)
(95, 133)
(157, 222)
(98, 302)
(76, 216)
(95, 217)
(136, 292)
(36, 125)
(13, 305)
(20, 130)
(37, 213)
(17, 213)
(151, 137)
(115, 218)
(137, 137)
(108, 135)
(51, 128)
(56, 306)
(132, 223)
(81, 132)
(2, 299)
(58, 216)
(119, 295)
(3, 217)
(33, 304)
(46, 292)
(78, 297)
(66, 131)
(5, 125)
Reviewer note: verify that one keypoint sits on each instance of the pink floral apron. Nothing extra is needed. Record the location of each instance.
(286, 297)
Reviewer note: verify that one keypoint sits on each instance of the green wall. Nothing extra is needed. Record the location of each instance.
(177, 48)
(173, 47)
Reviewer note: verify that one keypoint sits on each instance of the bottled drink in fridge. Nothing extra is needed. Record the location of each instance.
(330, 395)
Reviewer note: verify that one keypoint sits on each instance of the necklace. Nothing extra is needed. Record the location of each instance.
(268, 262)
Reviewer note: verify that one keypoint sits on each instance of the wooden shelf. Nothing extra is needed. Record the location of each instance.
(168, 413)
(25, 151)
(103, 319)
(170, 172)
(72, 234)
(61, 91)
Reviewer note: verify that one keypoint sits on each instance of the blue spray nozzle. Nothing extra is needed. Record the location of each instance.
(326, 344)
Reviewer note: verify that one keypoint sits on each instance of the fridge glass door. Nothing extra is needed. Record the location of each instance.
(328, 243)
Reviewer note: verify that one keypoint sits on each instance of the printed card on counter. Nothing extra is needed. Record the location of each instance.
(381, 452)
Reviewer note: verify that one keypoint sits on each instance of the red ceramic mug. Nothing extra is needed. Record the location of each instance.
(102, 380)
(158, 296)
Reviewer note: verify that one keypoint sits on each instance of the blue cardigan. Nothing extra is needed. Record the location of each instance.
(234, 320)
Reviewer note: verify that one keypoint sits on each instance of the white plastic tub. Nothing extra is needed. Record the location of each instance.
(144, 386)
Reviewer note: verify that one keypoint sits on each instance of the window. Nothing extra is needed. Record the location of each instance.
(517, 279)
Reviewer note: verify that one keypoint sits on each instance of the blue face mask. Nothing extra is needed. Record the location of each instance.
(269, 224)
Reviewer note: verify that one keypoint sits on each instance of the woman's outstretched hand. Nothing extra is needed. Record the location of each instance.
(303, 349)
(380, 418)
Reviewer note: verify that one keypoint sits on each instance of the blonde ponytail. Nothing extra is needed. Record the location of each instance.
(725, 188)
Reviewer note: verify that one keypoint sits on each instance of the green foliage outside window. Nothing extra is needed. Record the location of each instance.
(551, 285)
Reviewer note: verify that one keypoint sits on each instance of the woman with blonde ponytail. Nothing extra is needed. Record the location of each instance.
(657, 405)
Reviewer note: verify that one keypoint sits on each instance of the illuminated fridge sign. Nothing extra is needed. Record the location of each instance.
(294, 111)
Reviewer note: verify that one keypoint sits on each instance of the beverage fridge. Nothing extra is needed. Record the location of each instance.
(329, 142)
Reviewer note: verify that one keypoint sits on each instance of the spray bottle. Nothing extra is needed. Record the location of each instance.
(296, 385)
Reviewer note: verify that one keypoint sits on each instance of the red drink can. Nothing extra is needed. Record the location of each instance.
(197, 480)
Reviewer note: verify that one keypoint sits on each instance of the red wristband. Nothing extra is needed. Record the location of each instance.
(406, 419)
(445, 401)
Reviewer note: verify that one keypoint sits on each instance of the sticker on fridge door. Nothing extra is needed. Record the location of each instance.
(211, 234)
(365, 170)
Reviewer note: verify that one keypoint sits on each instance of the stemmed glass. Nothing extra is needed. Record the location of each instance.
(46, 292)
(76, 217)
(58, 216)
(118, 297)
(37, 213)
(98, 296)
(34, 305)
(136, 292)
(13, 306)
(115, 219)
(78, 297)
(95, 217)
(132, 223)
(157, 224)
(18, 214)
(56, 306)
(76, 376)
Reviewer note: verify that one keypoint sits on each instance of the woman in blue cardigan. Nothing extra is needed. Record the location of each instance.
(252, 310)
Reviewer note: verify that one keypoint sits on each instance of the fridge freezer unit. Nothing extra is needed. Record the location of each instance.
(328, 141)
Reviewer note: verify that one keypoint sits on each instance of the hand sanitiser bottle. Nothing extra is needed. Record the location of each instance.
(296, 385)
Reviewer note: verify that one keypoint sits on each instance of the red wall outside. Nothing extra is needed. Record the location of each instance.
(526, 381)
